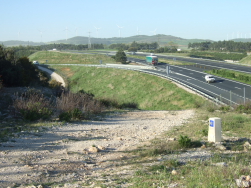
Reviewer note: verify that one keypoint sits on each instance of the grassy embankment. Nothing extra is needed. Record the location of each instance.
(69, 58)
(155, 93)
(246, 60)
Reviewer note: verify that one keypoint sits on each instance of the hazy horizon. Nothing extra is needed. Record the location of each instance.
(46, 21)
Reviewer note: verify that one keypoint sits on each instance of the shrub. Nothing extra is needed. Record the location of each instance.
(132, 49)
(224, 108)
(184, 141)
(64, 116)
(77, 105)
(120, 56)
(56, 87)
(109, 102)
(33, 106)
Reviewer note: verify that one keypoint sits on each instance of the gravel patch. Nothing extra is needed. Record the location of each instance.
(65, 153)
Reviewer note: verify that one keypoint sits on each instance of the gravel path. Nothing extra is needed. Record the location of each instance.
(78, 151)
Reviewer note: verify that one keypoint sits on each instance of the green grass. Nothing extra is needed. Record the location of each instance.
(201, 174)
(148, 91)
(69, 58)
(246, 60)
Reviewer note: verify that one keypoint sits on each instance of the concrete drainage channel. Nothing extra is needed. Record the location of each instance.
(145, 69)
(53, 75)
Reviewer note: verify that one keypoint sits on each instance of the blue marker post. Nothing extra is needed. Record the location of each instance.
(214, 130)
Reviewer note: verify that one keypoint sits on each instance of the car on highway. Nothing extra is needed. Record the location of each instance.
(209, 78)
(35, 62)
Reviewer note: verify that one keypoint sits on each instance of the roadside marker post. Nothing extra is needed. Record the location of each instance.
(214, 130)
(167, 69)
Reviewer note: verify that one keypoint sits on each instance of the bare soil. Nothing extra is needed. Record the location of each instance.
(83, 151)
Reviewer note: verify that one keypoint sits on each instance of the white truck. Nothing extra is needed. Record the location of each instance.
(209, 78)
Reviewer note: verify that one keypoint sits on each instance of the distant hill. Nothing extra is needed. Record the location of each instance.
(160, 38)
(22, 43)
(126, 40)
(242, 40)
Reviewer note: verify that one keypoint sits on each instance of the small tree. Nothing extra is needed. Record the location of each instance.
(120, 56)
(132, 49)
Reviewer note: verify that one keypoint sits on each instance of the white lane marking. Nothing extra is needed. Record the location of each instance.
(237, 87)
(188, 77)
(215, 76)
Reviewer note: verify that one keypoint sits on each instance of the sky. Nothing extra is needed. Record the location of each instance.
(50, 20)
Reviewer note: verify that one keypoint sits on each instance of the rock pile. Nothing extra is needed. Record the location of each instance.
(243, 181)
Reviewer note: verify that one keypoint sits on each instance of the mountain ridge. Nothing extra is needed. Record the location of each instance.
(162, 39)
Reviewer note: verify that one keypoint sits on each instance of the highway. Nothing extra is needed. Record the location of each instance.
(208, 63)
(225, 90)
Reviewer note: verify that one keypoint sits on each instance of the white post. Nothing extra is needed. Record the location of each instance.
(230, 98)
(167, 69)
(214, 130)
(244, 96)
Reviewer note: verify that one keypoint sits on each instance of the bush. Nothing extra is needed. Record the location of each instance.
(56, 87)
(121, 57)
(225, 108)
(184, 141)
(64, 116)
(132, 49)
(77, 105)
(33, 106)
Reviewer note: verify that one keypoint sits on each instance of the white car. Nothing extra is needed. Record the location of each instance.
(35, 63)
(209, 78)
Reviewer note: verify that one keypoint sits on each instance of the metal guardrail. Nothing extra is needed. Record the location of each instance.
(215, 100)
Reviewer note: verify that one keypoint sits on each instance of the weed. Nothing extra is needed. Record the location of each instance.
(171, 164)
(197, 104)
(225, 108)
(65, 116)
(204, 132)
(243, 108)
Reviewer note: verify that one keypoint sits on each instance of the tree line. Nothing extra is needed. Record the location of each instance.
(224, 46)
(25, 51)
(134, 46)
(217, 55)
(18, 71)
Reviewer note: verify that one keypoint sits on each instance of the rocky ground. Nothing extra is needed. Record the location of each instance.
(83, 151)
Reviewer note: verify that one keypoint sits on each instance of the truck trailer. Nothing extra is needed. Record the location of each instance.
(152, 60)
